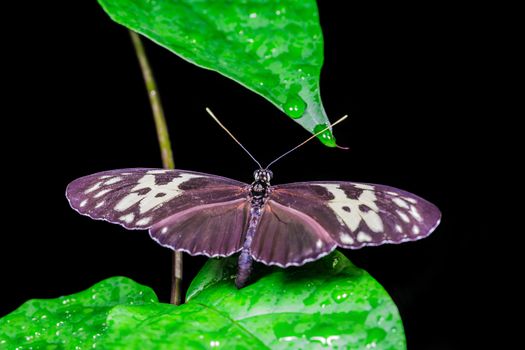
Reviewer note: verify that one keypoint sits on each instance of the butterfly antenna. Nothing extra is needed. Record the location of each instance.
(308, 139)
(233, 137)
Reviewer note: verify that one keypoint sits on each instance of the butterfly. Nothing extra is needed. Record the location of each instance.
(284, 225)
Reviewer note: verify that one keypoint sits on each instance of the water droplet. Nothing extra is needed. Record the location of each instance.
(295, 107)
(326, 137)
(339, 297)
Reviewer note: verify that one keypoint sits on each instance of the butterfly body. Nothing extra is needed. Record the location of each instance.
(259, 193)
(283, 225)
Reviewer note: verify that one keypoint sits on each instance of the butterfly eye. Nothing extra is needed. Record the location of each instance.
(264, 175)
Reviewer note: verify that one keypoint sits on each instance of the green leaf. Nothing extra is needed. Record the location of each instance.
(274, 48)
(70, 322)
(329, 301)
(325, 303)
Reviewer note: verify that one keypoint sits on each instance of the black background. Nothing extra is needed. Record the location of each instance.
(76, 104)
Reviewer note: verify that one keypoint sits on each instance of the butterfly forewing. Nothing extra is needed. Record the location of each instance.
(356, 215)
(140, 198)
(213, 230)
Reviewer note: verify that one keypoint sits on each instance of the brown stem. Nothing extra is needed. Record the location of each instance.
(165, 149)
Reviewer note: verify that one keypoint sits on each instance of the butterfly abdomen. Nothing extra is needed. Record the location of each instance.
(245, 259)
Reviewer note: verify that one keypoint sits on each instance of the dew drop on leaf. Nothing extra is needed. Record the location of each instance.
(295, 107)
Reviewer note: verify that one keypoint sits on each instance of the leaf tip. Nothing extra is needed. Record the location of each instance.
(326, 137)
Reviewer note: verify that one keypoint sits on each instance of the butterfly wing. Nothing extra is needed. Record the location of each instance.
(213, 230)
(181, 208)
(350, 215)
(288, 237)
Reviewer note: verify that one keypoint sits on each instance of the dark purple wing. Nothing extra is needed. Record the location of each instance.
(356, 215)
(287, 237)
(213, 230)
(140, 198)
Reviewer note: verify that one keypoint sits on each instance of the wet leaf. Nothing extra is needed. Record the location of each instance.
(274, 48)
(329, 303)
(70, 322)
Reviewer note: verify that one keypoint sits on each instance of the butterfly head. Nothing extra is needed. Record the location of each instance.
(263, 175)
(262, 183)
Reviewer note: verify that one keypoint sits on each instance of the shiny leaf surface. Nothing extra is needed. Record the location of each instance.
(71, 322)
(329, 303)
(273, 48)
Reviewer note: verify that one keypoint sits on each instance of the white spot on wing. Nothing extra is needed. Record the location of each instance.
(364, 187)
(392, 193)
(400, 203)
(101, 193)
(346, 238)
(353, 218)
(128, 218)
(164, 230)
(319, 244)
(364, 237)
(104, 176)
(143, 221)
(373, 220)
(415, 229)
(399, 228)
(411, 200)
(403, 216)
(83, 203)
(113, 180)
(159, 171)
(99, 204)
(149, 200)
(93, 188)
(415, 214)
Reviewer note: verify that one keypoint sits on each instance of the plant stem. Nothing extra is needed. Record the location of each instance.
(165, 149)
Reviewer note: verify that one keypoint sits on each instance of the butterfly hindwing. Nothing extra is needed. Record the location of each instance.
(357, 215)
(138, 198)
(288, 237)
(213, 230)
